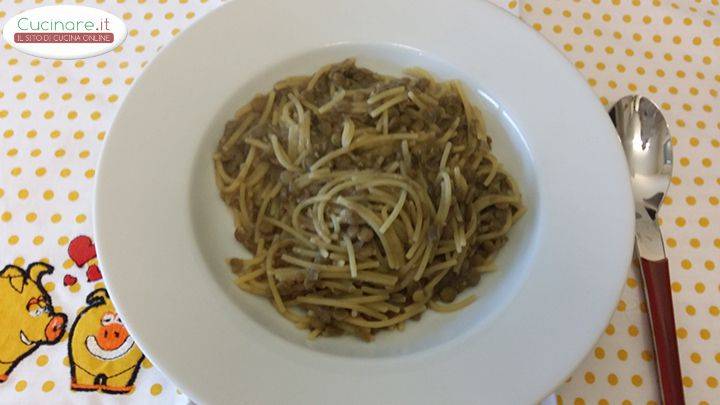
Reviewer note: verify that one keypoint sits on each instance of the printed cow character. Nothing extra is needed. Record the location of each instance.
(102, 354)
(27, 318)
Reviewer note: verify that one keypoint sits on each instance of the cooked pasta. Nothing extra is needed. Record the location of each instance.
(366, 199)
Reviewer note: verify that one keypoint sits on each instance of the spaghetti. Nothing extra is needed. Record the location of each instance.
(366, 199)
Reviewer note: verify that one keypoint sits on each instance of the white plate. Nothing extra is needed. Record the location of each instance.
(163, 233)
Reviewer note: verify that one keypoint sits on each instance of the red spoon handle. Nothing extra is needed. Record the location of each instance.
(656, 276)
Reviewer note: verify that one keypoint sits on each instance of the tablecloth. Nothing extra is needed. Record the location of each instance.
(54, 116)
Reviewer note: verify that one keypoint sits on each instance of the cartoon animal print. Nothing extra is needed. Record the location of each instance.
(103, 355)
(27, 317)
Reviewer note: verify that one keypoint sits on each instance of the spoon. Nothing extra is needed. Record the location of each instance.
(645, 139)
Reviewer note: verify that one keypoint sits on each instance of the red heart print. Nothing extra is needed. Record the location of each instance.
(81, 250)
(69, 280)
(93, 273)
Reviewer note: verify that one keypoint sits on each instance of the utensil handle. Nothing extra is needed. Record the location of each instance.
(656, 277)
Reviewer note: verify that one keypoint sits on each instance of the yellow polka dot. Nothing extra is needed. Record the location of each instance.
(63, 240)
(610, 330)
(631, 282)
(65, 172)
(42, 360)
(146, 363)
(699, 287)
(681, 333)
(622, 355)
(713, 310)
(633, 330)
(695, 242)
(680, 221)
(599, 353)
(90, 173)
(6, 216)
(67, 264)
(646, 355)
(156, 389)
(49, 287)
(686, 264)
(48, 386)
(75, 288)
(80, 218)
(84, 154)
(690, 310)
(38, 240)
(19, 261)
(695, 357)
(671, 242)
(23, 194)
(16, 171)
(13, 240)
(712, 382)
(21, 385)
(687, 381)
(48, 195)
(55, 218)
(40, 171)
(612, 379)
(621, 306)
(636, 380)
(95, 115)
(589, 377)
(709, 265)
